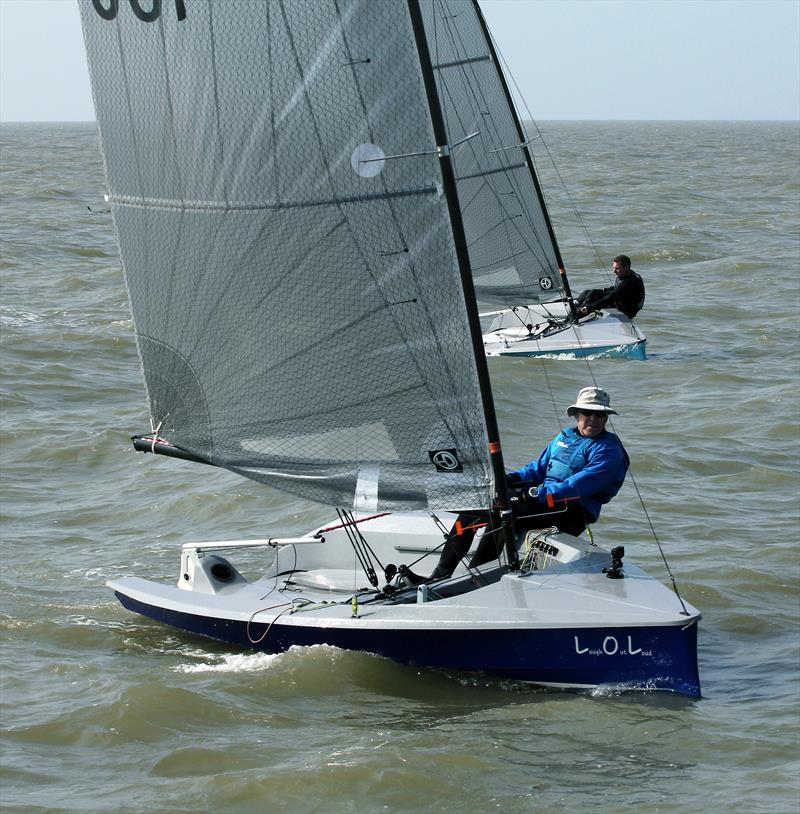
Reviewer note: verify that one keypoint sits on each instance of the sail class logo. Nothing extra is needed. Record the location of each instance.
(445, 460)
(545, 283)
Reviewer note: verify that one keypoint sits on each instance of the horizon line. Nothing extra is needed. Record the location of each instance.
(538, 119)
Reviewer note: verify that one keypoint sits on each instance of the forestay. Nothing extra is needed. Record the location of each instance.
(298, 309)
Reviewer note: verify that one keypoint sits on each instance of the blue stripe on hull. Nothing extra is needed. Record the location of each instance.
(635, 351)
(663, 658)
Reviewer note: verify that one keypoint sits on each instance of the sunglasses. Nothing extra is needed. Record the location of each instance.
(590, 413)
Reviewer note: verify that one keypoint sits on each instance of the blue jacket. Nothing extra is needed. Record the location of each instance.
(592, 469)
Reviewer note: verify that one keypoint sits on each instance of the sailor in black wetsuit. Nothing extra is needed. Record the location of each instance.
(627, 295)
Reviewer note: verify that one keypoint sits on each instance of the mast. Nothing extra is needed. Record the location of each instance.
(526, 152)
(462, 255)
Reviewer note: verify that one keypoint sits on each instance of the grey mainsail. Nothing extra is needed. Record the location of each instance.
(295, 289)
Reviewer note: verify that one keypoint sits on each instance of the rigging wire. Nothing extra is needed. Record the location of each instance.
(280, 573)
(360, 546)
(489, 530)
(507, 174)
(468, 74)
(297, 604)
(602, 265)
(272, 622)
(540, 135)
(543, 363)
(475, 88)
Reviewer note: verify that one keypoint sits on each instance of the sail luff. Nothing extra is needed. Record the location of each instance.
(462, 254)
(524, 147)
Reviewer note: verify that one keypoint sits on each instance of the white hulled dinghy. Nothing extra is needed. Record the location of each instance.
(550, 329)
(362, 159)
(556, 620)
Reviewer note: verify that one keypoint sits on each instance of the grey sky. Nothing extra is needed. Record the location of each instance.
(573, 59)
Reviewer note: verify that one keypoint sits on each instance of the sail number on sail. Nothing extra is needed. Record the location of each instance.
(109, 9)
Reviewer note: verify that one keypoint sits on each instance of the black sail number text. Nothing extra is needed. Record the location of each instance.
(108, 9)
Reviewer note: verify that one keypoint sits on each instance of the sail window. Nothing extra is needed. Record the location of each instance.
(343, 443)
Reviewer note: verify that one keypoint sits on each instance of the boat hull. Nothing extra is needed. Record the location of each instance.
(652, 657)
(635, 350)
(546, 330)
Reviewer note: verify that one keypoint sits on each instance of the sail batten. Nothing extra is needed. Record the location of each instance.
(459, 62)
(232, 206)
(487, 173)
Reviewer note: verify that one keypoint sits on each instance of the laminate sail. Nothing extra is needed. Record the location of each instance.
(294, 284)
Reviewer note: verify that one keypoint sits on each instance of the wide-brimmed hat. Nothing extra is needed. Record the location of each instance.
(592, 398)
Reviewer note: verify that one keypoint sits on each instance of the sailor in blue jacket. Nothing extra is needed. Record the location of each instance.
(580, 470)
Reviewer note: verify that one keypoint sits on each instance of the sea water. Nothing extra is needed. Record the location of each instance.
(106, 711)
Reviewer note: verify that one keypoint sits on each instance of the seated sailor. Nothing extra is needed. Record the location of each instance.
(627, 295)
(576, 474)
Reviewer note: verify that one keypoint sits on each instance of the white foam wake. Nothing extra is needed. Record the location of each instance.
(232, 663)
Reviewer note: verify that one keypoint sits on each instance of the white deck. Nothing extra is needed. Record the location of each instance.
(567, 590)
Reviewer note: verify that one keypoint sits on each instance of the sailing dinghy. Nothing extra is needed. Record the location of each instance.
(547, 324)
(552, 329)
(357, 163)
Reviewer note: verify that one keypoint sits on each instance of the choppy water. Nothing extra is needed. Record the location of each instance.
(104, 711)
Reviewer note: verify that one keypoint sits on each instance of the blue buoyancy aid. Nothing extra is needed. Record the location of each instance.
(569, 454)
(572, 465)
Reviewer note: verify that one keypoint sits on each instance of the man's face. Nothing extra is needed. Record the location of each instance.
(620, 270)
(591, 422)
